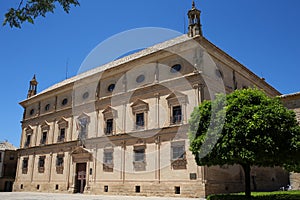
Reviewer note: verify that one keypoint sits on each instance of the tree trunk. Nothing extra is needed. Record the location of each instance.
(247, 170)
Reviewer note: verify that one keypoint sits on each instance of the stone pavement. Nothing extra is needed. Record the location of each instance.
(48, 196)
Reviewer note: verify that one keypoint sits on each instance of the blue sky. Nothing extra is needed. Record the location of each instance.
(262, 35)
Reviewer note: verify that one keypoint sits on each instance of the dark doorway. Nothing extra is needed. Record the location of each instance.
(8, 186)
(80, 177)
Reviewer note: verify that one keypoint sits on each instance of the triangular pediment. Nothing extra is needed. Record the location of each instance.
(109, 112)
(176, 95)
(29, 129)
(176, 98)
(109, 109)
(62, 120)
(80, 150)
(139, 105)
(138, 102)
(45, 125)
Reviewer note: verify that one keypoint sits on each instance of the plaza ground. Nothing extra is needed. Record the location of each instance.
(46, 196)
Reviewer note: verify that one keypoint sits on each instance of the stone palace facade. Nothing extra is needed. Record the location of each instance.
(122, 128)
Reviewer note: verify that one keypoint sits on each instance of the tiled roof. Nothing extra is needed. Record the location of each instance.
(7, 146)
(290, 95)
(126, 59)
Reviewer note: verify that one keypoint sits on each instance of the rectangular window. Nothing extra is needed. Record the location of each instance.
(41, 164)
(140, 122)
(178, 155)
(178, 152)
(0, 157)
(108, 157)
(28, 138)
(44, 137)
(108, 162)
(139, 155)
(176, 115)
(24, 165)
(60, 164)
(62, 135)
(59, 161)
(109, 127)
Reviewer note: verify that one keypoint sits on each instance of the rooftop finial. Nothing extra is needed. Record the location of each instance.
(194, 21)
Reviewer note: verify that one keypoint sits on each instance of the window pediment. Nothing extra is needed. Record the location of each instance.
(109, 112)
(29, 130)
(139, 106)
(176, 98)
(45, 126)
(62, 123)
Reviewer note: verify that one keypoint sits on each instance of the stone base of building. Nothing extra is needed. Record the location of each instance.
(163, 189)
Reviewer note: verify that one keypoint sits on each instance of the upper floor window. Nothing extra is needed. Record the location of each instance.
(139, 121)
(41, 164)
(28, 139)
(45, 128)
(47, 107)
(0, 157)
(176, 115)
(44, 137)
(62, 126)
(109, 114)
(62, 135)
(175, 68)
(177, 102)
(140, 110)
(109, 127)
(111, 87)
(64, 102)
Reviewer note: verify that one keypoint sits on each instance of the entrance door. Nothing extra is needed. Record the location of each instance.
(8, 186)
(80, 177)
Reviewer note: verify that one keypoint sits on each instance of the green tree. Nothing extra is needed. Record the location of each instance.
(31, 9)
(247, 128)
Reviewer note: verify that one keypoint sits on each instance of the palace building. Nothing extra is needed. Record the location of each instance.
(122, 128)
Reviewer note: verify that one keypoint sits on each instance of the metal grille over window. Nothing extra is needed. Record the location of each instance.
(139, 160)
(41, 165)
(60, 163)
(178, 158)
(25, 165)
(108, 163)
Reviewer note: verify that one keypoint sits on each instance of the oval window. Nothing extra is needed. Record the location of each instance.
(31, 112)
(175, 68)
(140, 78)
(47, 107)
(64, 102)
(85, 95)
(111, 87)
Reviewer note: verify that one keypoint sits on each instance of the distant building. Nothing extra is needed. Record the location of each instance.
(126, 132)
(8, 166)
(292, 101)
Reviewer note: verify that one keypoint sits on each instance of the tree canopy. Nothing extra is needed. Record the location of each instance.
(256, 131)
(31, 9)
